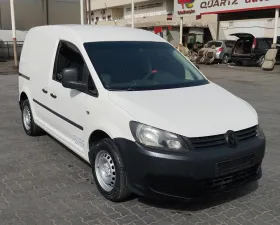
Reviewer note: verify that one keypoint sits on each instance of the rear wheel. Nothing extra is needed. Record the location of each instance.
(261, 61)
(225, 59)
(29, 126)
(108, 171)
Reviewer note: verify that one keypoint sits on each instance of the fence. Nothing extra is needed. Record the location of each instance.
(7, 50)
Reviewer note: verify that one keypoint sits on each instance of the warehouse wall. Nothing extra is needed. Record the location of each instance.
(30, 13)
(64, 12)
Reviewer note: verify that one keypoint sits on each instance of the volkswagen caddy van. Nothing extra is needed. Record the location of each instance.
(145, 118)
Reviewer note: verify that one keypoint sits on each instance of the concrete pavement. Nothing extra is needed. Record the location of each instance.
(41, 182)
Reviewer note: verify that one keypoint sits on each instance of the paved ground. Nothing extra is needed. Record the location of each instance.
(41, 182)
(248, 68)
(7, 67)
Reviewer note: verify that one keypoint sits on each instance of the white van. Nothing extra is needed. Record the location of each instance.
(138, 111)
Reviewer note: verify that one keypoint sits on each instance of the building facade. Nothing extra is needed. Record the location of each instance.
(149, 14)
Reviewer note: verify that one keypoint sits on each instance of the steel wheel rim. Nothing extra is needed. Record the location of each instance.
(26, 117)
(105, 170)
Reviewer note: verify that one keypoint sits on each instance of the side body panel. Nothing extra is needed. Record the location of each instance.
(36, 63)
(72, 116)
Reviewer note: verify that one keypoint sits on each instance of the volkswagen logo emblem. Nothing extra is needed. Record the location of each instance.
(231, 139)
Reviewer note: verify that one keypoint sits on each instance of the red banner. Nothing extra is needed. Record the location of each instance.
(157, 30)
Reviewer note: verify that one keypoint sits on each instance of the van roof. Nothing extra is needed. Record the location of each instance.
(92, 33)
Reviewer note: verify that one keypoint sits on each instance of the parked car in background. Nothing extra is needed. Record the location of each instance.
(223, 49)
(249, 49)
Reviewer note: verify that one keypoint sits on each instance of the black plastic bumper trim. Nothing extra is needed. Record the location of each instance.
(150, 172)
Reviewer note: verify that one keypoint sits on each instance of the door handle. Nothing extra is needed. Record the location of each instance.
(53, 95)
(44, 90)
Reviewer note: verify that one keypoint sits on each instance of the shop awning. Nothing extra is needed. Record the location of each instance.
(170, 23)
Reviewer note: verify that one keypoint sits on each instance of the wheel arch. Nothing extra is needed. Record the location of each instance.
(96, 136)
(108, 128)
(23, 96)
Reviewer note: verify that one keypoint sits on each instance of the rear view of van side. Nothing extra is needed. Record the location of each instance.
(145, 118)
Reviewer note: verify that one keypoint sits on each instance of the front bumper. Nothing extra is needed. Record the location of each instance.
(191, 174)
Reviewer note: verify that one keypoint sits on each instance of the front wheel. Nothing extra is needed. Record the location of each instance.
(108, 171)
(30, 127)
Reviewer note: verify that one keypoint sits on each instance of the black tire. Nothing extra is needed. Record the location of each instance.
(260, 61)
(238, 63)
(225, 59)
(120, 189)
(33, 129)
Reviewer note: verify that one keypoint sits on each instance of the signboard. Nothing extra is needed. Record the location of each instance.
(200, 7)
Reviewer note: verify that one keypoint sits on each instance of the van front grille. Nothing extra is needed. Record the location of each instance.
(216, 140)
(247, 133)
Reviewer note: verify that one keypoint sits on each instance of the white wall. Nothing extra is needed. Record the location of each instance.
(161, 9)
(257, 27)
(6, 35)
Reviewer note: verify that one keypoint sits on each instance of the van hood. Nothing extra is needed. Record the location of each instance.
(192, 111)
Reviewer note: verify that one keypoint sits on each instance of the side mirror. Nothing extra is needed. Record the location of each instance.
(70, 79)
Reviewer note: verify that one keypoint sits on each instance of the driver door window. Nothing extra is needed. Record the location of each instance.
(68, 55)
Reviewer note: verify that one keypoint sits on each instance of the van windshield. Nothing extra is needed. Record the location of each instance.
(137, 66)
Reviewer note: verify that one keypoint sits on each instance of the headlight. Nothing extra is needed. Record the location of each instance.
(260, 133)
(156, 138)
